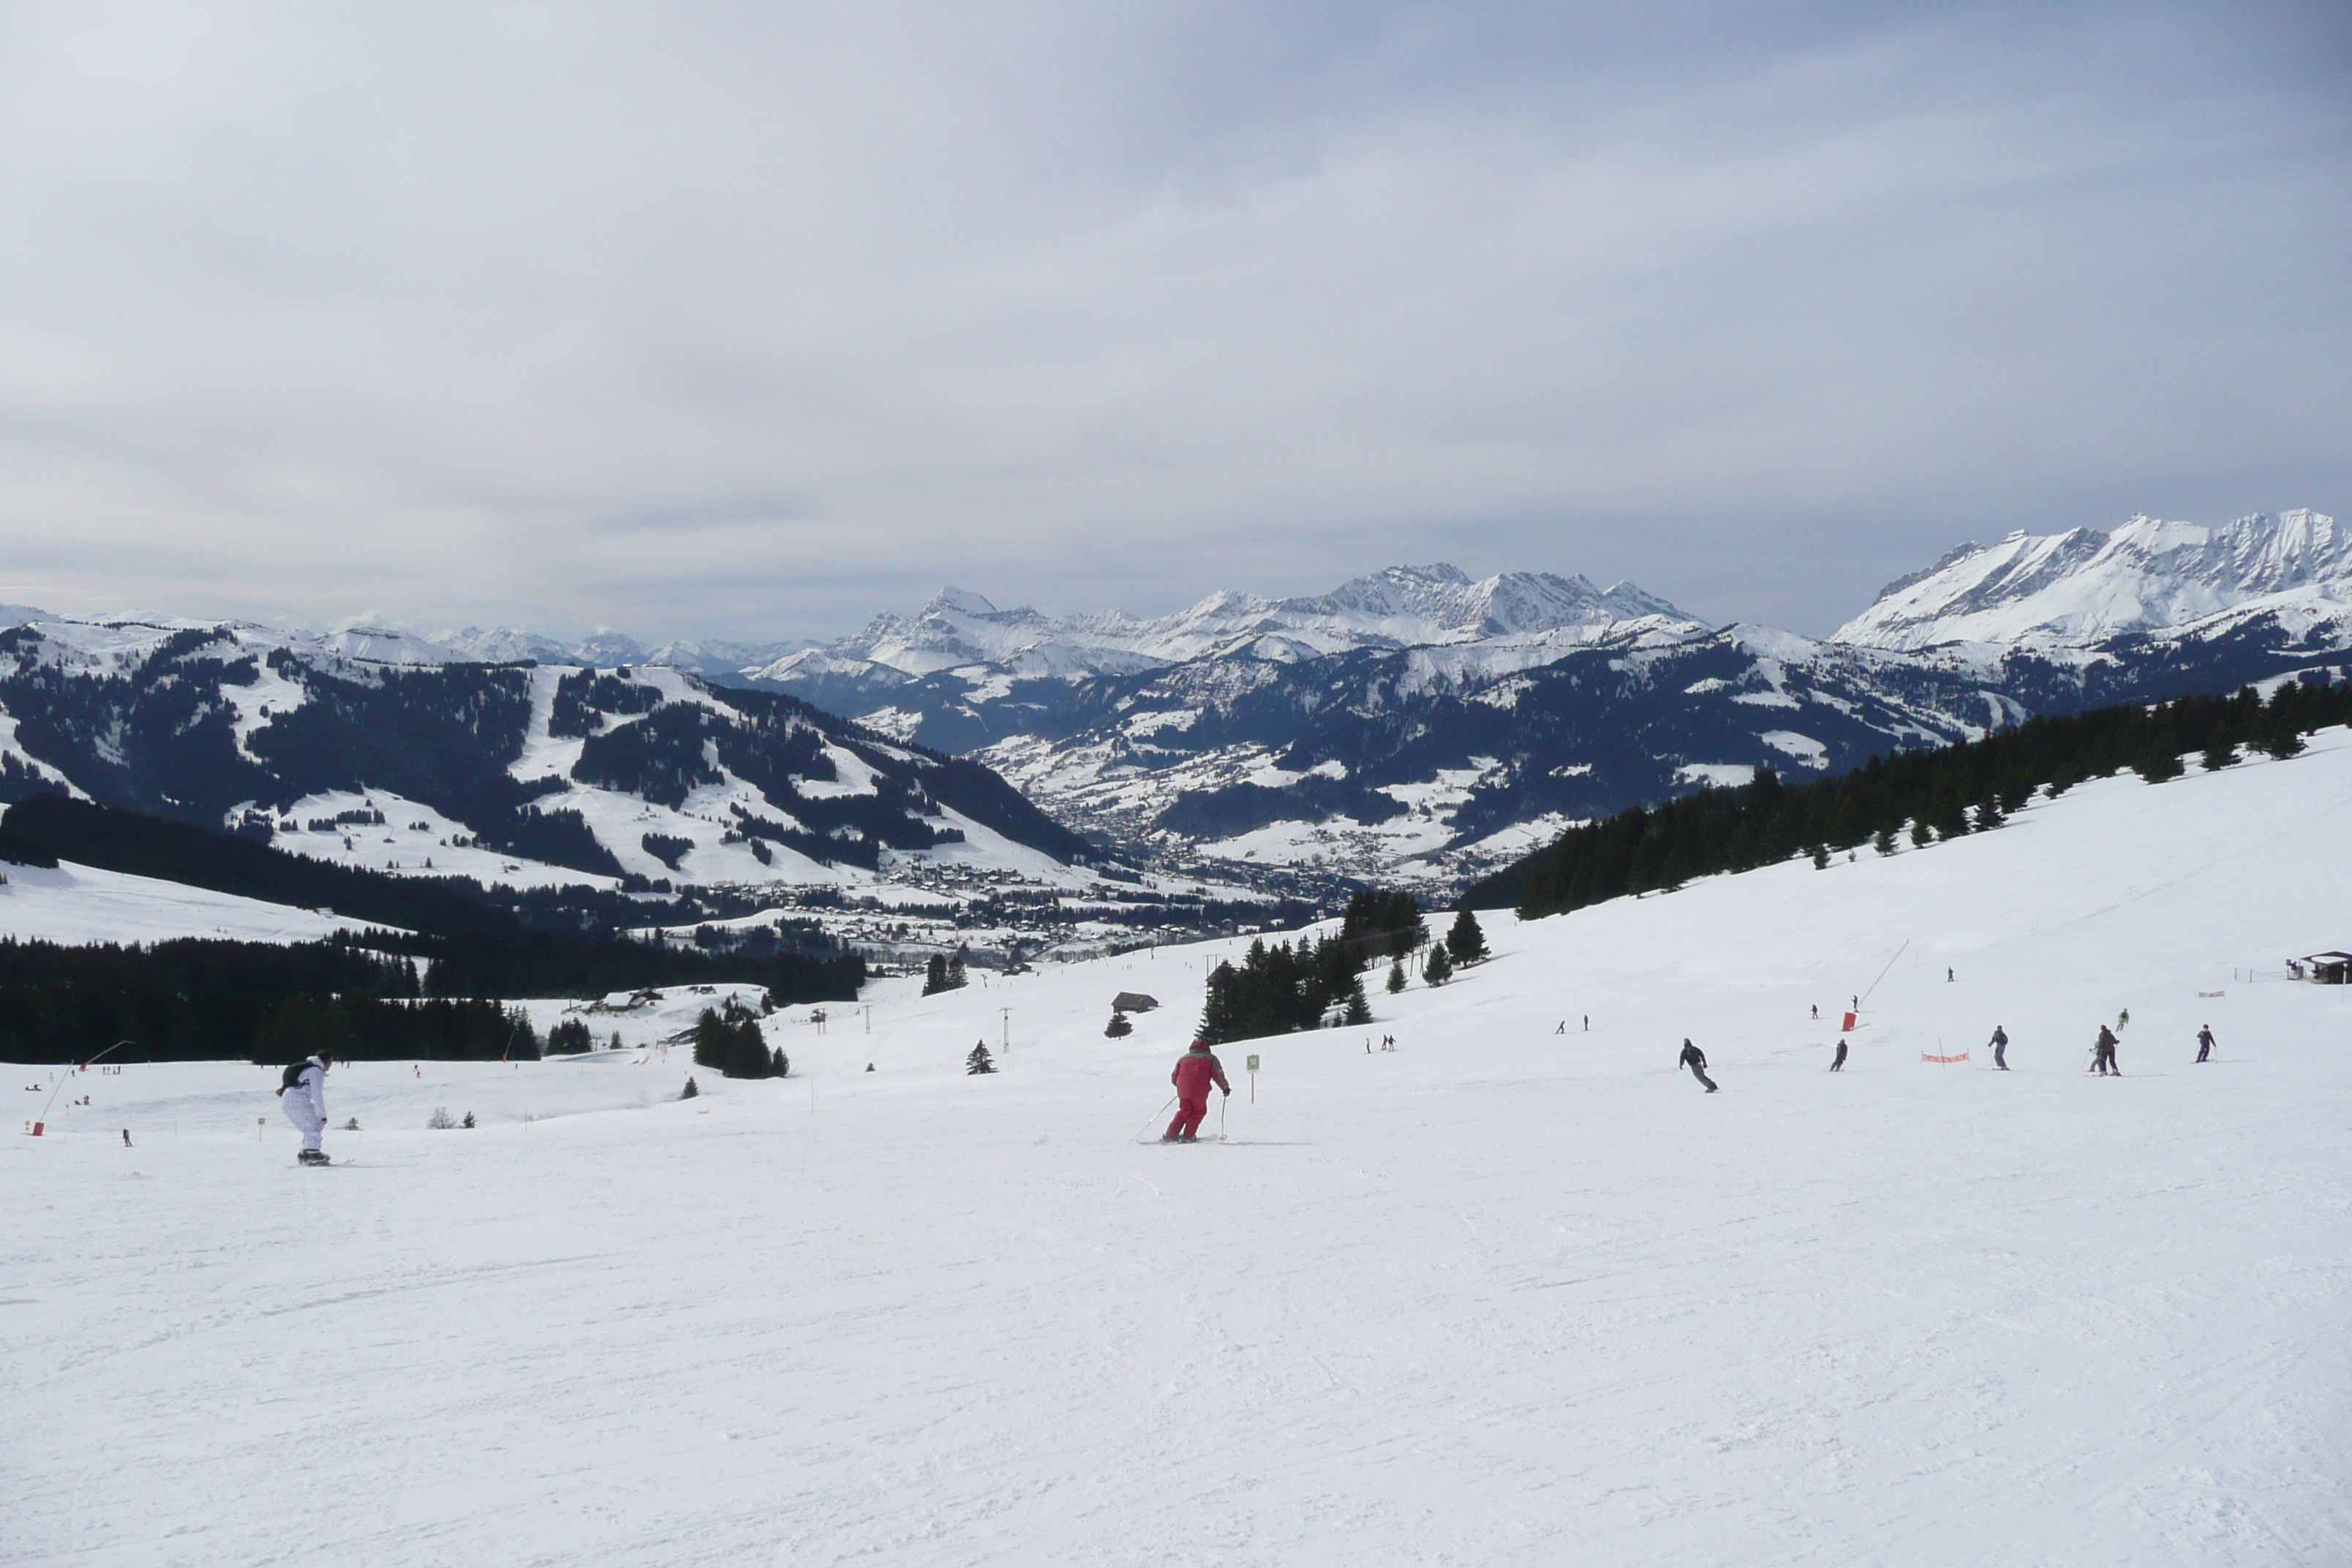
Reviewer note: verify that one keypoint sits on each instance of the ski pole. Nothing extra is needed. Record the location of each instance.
(1222, 1102)
(1149, 1120)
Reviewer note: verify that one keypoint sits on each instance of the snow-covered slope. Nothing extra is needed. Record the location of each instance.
(79, 904)
(1506, 1295)
(2083, 586)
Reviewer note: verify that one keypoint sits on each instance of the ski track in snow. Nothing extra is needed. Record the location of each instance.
(1501, 1296)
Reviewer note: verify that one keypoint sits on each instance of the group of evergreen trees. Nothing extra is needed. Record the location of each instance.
(731, 1043)
(945, 973)
(1380, 924)
(1281, 988)
(1924, 795)
(570, 1038)
(191, 1000)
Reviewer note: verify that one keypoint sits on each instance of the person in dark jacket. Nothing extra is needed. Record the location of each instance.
(1195, 1071)
(1838, 1065)
(2204, 1042)
(2001, 1047)
(2102, 1054)
(1696, 1059)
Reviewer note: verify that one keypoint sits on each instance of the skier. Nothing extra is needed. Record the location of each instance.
(2204, 1042)
(2000, 1047)
(2102, 1054)
(1195, 1071)
(1839, 1065)
(306, 1107)
(1947, 974)
(1817, 1012)
(1696, 1059)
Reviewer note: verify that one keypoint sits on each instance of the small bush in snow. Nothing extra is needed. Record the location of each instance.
(440, 1121)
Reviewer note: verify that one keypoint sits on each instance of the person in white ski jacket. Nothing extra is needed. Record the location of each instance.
(306, 1105)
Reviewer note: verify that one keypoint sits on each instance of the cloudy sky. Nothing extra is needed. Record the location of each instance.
(750, 321)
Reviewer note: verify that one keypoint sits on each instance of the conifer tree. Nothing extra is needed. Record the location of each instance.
(2221, 752)
(1465, 943)
(1119, 1029)
(979, 1062)
(935, 975)
(1396, 976)
(1359, 1009)
(1884, 841)
(1440, 968)
(689, 1092)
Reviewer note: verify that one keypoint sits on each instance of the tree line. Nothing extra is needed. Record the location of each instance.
(194, 1000)
(1922, 795)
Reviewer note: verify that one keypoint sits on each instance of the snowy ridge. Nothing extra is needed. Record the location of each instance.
(2082, 586)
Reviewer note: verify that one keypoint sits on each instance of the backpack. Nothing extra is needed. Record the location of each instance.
(292, 1076)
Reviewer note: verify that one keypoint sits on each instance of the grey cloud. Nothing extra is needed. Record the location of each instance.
(748, 321)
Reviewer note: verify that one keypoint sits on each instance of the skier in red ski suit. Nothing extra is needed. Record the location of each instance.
(1195, 1071)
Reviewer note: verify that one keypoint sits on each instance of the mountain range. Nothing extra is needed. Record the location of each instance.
(1414, 723)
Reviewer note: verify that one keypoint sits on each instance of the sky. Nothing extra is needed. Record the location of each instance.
(748, 322)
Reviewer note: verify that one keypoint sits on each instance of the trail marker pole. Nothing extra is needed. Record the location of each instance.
(1005, 1020)
(1253, 1073)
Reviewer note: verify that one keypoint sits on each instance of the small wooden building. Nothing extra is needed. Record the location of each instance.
(2327, 968)
(1133, 1002)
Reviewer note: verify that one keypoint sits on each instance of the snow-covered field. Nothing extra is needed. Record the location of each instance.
(72, 903)
(1502, 1295)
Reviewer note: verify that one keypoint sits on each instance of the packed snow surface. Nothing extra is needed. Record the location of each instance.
(79, 904)
(1502, 1295)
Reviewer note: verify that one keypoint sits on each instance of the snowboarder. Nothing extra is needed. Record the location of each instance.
(306, 1106)
(1696, 1059)
(2102, 1054)
(2204, 1042)
(1839, 1065)
(1195, 1071)
(2000, 1047)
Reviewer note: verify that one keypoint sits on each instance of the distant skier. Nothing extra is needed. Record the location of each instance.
(1195, 1071)
(2204, 1042)
(1947, 974)
(2000, 1047)
(1817, 1012)
(2102, 1054)
(1839, 1065)
(1696, 1059)
(306, 1105)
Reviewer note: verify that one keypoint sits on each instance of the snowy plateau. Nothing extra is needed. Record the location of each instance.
(1515, 1292)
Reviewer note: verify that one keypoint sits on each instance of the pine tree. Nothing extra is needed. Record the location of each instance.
(1119, 1029)
(1396, 976)
(1359, 1009)
(689, 1092)
(1921, 835)
(2221, 752)
(1820, 854)
(1440, 968)
(1466, 941)
(1884, 842)
(935, 976)
(979, 1061)
(955, 980)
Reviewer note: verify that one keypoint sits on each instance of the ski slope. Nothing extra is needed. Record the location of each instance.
(1502, 1295)
(77, 904)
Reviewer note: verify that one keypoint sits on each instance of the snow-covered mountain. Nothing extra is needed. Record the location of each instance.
(2082, 587)
(356, 746)
(1404, 607)
(1413, 722)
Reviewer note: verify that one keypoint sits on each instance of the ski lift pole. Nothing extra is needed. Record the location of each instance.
(71, 1067)
(1881, 973)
